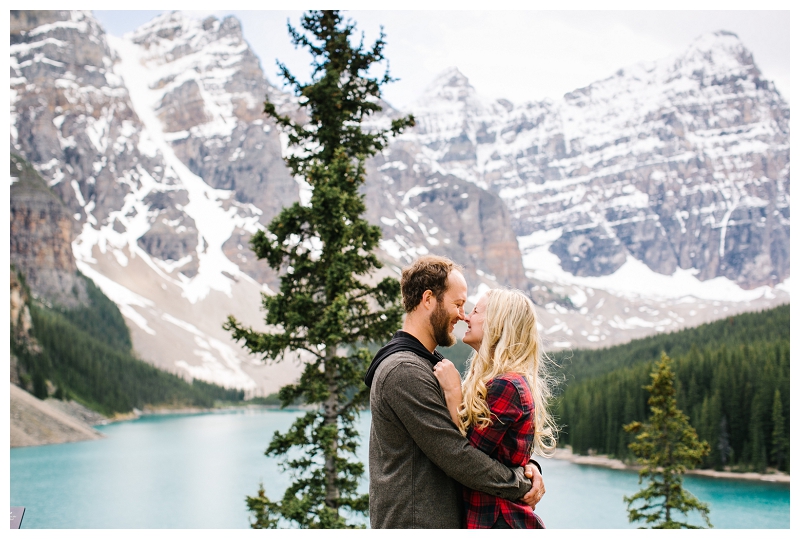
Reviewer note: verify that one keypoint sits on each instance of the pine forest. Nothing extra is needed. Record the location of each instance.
(731, 378)
(86, 355)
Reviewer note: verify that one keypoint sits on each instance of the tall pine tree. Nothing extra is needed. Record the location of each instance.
(780, 441)
(326, 306)
(665, 446)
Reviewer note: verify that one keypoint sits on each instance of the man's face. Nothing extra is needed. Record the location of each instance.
(449, 310)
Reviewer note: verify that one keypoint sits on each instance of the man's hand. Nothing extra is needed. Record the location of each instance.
(537, 489)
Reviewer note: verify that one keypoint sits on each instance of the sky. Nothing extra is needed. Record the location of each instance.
(516, 55)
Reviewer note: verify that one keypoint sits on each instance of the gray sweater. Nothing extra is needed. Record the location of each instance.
(418, 459)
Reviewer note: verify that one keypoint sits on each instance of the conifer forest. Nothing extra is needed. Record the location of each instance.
(86, 355)
(731, 379)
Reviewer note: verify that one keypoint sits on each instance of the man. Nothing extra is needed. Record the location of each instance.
(418, 459)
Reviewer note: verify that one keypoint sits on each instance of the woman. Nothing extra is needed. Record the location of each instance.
(502, 405)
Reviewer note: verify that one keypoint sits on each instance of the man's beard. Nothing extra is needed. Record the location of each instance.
(440, 321)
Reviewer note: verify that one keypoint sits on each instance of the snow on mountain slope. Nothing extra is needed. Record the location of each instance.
(206, 88)
(681, 163)
(215, 223)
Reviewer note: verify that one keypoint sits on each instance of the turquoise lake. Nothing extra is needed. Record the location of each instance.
(194, 471)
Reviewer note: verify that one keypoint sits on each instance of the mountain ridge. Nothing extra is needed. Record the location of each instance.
(553, 163)
(186, 169)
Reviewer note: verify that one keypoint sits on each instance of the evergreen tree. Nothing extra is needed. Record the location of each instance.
(326, 306)
(724, 442)
(756, 446)
(39, 385)
(780, 442)
(665, 446)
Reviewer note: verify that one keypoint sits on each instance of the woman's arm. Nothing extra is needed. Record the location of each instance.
(450, 381)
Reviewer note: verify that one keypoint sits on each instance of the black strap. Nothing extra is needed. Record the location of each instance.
(401, 342)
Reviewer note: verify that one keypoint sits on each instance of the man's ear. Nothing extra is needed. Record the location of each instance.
(428, 300)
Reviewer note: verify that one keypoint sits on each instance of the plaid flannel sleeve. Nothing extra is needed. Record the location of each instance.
(505, 405)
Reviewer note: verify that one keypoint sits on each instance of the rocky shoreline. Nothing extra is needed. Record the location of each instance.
(37, 422)
(616, 464)
(52, 421)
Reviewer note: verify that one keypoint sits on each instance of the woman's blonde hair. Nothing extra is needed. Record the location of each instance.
(511, 343)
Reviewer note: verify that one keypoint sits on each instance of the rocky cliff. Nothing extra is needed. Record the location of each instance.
(42, 230)
(21, 326)
(421, 210)
(33, 421)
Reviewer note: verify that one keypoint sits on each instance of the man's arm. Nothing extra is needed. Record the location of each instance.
(450, 381)
(414, 395)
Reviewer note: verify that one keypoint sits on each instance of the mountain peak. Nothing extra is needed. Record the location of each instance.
(179, 26)
(714, 40)
(711, 58)
(161, 24)
(450, 77)
(721, 51)
(448, 86)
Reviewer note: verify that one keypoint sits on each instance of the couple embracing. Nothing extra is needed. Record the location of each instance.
(447, 454)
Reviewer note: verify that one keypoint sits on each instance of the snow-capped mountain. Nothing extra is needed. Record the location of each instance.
(97, 117)
(680, 163)
(652, 200)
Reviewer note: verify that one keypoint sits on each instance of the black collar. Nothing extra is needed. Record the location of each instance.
(401, 342)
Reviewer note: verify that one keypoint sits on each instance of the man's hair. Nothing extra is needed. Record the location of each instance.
(425, 273)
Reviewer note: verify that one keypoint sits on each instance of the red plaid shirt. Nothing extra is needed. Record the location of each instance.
(509, 439)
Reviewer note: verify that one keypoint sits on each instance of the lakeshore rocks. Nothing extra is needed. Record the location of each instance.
(605, 461)
(78, 411)
(34, 422)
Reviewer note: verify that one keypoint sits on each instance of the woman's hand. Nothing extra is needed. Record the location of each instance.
(448, 376)
(450, 381)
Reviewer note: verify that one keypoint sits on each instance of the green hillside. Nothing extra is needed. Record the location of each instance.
(770, 325)
(732, 379)
(86, 354)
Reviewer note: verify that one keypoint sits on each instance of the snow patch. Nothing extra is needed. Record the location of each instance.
(482, 289)
(220, 364)
(125, 299)
(635, 279)
(214, 224)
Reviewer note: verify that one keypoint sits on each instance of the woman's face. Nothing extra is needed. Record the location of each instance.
(474, 334)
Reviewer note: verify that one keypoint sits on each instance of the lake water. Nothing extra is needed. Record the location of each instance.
(194, 471)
